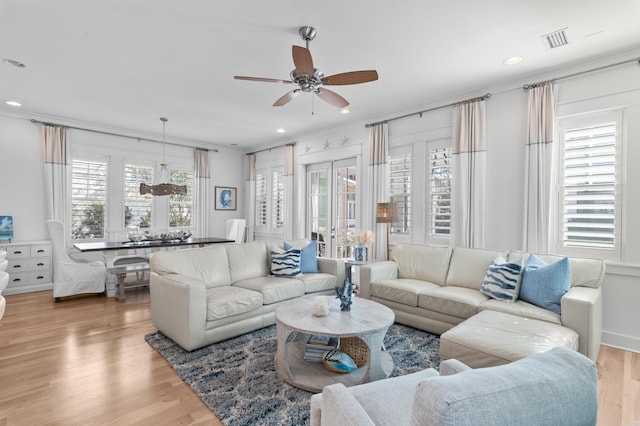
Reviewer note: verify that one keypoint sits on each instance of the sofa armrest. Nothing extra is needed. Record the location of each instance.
(452, 366)
(332, 266)
(179, 308)
(581, 309)
(340, 407)
(372, 272)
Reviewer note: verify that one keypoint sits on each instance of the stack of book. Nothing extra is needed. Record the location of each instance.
(317, 346)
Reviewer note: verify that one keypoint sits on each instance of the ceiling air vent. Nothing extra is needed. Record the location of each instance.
(556, 38)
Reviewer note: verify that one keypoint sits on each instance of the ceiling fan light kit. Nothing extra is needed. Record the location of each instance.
(312, 80)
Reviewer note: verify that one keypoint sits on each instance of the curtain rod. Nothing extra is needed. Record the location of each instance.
(526, 87)
(273, 147)
(34, 121)
(532, 85)
(479, 98)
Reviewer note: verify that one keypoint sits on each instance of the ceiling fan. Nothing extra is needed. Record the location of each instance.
(310, 79)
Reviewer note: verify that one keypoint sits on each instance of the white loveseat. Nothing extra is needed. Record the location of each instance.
(205, 295)
(436, 288)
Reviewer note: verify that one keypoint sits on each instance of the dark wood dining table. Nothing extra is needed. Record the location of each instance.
(130, 245)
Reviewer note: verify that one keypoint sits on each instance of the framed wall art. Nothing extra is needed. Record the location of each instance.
(6, 228)
(226, 197)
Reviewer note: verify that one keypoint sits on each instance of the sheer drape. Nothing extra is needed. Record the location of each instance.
(201, 199)
(538, 167)
(469, 169)
(250, 191)
(55, 153)
(378, 188)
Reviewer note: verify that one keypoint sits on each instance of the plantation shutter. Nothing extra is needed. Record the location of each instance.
(440, 192)
(400, 190)
(589, 195)
(261, 200)
(88, 198)
(277, 199)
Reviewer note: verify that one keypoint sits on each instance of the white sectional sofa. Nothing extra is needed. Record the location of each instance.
(437, 288)
(205, 295)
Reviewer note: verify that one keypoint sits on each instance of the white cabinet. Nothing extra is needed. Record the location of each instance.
(29, 266)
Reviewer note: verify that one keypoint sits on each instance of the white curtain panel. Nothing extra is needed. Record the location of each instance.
(469, 170)
(56, 171)
(378, 189)
(202, 196)
(538, 167)
(250, 191)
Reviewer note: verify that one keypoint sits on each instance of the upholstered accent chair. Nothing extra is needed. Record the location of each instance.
(557, 387)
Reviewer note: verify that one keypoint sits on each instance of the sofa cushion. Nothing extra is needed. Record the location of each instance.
(502, 280)
(468, 266)
(404, 291)
(460, 302)
(208, 264)
(427, 263)
(223, 302)
(248, 260)
(544, 284)
(285, 263)
(585, 272)
(273, 289)
(522, 309)
(308, 258)
(314, 283)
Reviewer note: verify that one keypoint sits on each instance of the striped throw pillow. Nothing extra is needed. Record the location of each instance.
(502, 281)
(285, 263)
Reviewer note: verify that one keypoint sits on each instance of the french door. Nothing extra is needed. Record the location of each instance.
(331, 189)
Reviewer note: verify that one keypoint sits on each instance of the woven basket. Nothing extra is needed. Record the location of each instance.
(356, 349)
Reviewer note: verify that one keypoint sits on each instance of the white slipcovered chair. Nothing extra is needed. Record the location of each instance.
(71, 277)
(235, 230)
(4, 281)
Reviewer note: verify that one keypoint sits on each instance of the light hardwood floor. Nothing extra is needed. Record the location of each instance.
(83, 361)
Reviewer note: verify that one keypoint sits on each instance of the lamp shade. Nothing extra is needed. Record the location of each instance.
(387, 213)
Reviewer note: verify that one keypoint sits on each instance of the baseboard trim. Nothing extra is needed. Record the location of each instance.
(620, 341)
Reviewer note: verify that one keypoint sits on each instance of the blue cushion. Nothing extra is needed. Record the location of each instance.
(285, 263)
(502, 281)
(308, 260)
(544, 284)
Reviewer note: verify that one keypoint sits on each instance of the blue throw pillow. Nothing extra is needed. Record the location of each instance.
(308, 260)
(285, 263)
(502, 281)
(544, 284)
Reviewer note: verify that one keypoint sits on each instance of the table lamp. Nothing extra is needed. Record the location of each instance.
(387, 213)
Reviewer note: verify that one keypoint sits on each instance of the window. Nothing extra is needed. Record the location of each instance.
(261, 200)
(439, 188)
(400, 190)
(137, 208)
(181, 206)
(590, 183)
(88, 198)
(277, 199)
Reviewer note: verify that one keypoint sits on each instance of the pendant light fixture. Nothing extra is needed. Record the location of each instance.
(161, 185)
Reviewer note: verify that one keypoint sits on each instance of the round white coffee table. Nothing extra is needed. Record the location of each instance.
(367, 320)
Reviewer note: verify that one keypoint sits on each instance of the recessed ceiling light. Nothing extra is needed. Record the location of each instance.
(281, 130)
(512, 60)
(13, 103)
(14, 63)
(344, 111)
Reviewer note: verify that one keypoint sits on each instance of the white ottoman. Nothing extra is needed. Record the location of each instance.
(492, 338)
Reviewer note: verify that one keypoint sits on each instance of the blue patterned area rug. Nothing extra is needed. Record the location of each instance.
(237, 380)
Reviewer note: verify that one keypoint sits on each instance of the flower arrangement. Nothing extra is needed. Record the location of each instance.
(364, 238)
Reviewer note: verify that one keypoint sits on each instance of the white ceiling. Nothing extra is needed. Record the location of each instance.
(121, 64)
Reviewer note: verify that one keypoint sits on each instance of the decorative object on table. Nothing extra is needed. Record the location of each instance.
(225, 197)
(161, 185)
(338, 362)
(356, 348)
(321, 307)
(317, 346)
(6, 228)
(344, 293)
(362, 242)
(387, 213)
(175, 236)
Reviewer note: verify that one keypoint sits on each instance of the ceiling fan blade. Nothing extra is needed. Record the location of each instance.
(287, 98)
(302, 60)
(268, 80)
(353, 77)
(332, 97)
